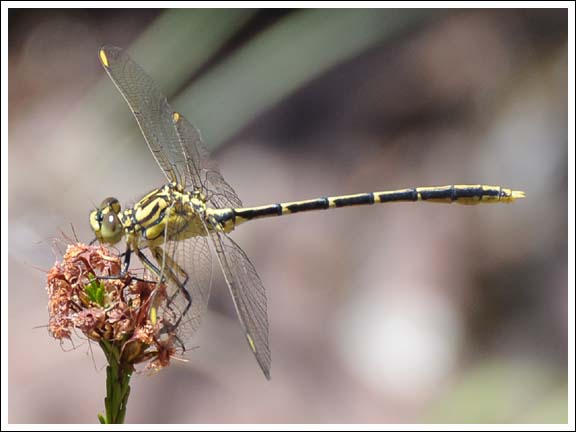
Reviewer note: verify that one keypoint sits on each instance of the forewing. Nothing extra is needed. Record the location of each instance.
(174, 141)
(149, 106)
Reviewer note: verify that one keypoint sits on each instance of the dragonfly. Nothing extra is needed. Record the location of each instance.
(180, 223)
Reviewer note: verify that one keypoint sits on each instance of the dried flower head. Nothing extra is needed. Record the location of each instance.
(86, 293)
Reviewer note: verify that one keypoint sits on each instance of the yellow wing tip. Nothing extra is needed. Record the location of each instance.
(103, 57)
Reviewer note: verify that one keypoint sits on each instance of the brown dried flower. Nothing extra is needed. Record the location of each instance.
(85, 293)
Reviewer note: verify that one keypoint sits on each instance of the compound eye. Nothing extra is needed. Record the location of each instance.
(111, 203)
(111, 230)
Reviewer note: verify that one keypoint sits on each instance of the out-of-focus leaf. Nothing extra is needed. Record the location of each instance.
(283, 58)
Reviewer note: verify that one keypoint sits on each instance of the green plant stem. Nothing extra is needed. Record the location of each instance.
(118, 376)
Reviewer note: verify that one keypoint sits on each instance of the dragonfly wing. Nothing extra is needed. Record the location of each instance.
(202, 169)
(220, 193)
(249, 296)
(149, 106)
(186, 266)
(174, 141)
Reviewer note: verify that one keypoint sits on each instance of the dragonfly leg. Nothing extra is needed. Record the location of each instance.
(158, 273)
(171, 275)
(127, 254)
(181, 287)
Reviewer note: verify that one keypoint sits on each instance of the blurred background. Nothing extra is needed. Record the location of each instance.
(400, 313)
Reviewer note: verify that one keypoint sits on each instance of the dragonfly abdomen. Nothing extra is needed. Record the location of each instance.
(460, 194)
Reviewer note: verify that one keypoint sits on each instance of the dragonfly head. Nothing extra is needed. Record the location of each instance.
(105, 222)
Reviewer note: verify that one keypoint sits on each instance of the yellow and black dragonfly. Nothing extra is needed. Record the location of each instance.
(177, 222)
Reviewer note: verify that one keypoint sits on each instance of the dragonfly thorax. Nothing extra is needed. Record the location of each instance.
(168, 213)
